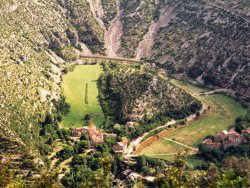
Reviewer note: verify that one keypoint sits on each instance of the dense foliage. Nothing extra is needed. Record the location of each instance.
(178, 175)
(138, 93)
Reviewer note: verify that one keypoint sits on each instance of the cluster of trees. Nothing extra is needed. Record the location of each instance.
(217, 155)
(119, 90)
(99, 169)
(49, 128)
(51, 131)
(89, 163)
(86, 98)
(61, 107)
(87, 119)
(242, 123)
(229, 175)
(148, 165)
(68, 69)
(72, 149)
(68, 53)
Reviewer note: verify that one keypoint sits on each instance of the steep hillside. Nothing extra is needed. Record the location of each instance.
(136, 19)
(137, 93)
(110, 10)
(208, 41)
(33, 34)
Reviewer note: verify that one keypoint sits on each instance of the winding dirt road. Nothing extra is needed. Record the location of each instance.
(133, 145)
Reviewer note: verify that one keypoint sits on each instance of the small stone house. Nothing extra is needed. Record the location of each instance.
(210, 144)
(96, 136)
(226, 139)
(247, 131)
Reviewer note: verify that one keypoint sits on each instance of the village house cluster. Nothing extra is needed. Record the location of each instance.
(96, 137)
(226, 139)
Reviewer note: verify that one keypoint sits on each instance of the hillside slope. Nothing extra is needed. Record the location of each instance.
(206, 41)
(138, 93)
(36, 38)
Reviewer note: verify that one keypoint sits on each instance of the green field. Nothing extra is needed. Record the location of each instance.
(74, 86)
(222, 114)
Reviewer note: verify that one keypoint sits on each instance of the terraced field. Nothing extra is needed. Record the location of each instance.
(82, 102)
(223, 110)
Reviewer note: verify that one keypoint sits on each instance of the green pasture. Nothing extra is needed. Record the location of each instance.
(74, 86)
(222, 113)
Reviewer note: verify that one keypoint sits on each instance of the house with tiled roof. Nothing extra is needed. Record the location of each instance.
(96, 136)
(247, 131)
(211, 144)
(226, 139)
(220, 136)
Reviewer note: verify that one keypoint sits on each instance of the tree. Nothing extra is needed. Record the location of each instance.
(141, 162)
(78, 160)
(247, 136)
(87, 119)
(48, 119)
(176, 176)
(66, 153)
(95, 164)
(81, 146)
(84, 137)
(240, 166)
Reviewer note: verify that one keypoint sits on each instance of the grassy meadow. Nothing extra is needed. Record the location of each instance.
(222, 113)
(74, 89)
